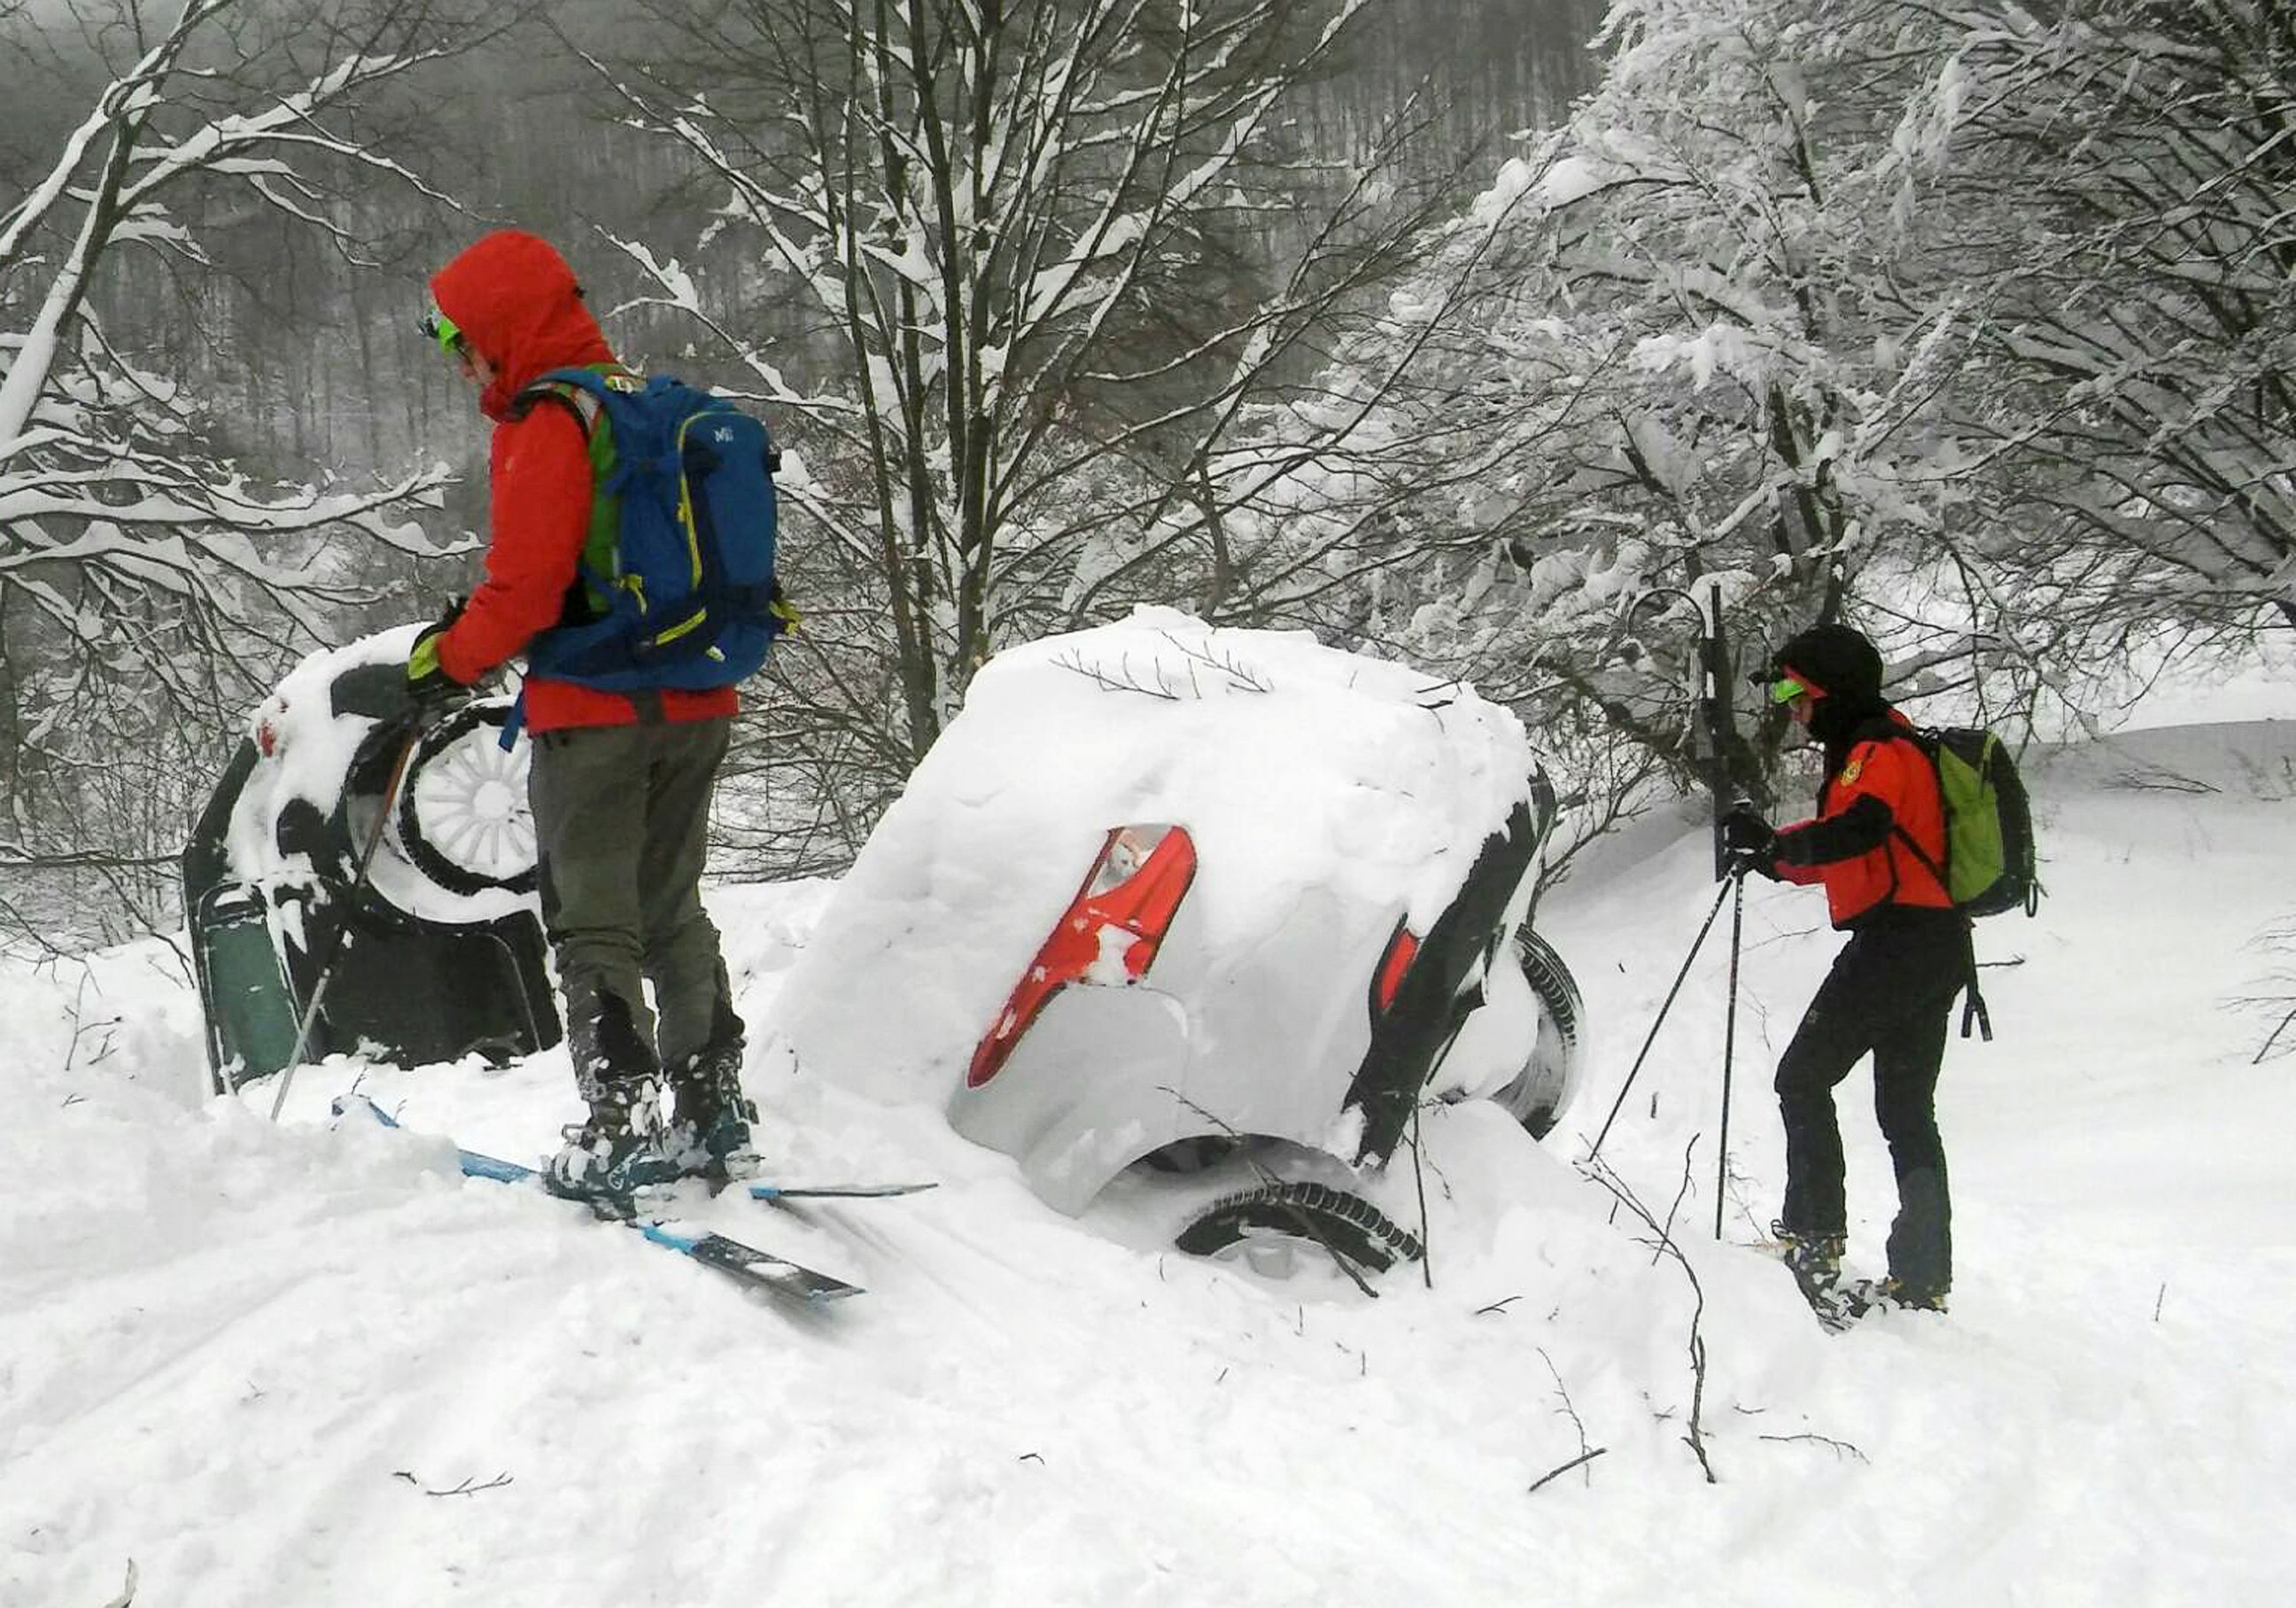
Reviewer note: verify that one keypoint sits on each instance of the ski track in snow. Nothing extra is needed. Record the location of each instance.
(291, 1365)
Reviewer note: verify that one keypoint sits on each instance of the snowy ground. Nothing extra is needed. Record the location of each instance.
(291, 1365)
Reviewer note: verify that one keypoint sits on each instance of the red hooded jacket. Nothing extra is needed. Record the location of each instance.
(518, 306)
(1896, 774)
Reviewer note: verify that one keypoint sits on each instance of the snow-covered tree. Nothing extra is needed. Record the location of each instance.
(1673, 371)
(2108, 182)
(1054, 254)
(1969, 323)
(140, 568)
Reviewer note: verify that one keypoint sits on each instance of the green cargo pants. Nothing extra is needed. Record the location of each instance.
(621, 820)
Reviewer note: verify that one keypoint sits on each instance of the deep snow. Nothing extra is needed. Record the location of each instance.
(291, 1365)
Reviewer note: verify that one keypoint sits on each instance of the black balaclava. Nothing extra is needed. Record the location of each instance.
(1845, 667)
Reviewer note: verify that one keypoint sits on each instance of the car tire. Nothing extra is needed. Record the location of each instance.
(1341, 1221)
(462, 818)
(1534, 1098)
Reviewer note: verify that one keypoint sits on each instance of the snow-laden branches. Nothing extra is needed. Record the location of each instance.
(2117, 197)
(1660, 373)
(144, 576)
(1970, 322)
(113, 176)
(1065, 261)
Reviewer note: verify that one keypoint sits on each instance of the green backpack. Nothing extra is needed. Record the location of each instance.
(1990, 864)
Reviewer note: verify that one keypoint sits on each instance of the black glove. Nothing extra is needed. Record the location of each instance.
(1748, 842)
(426, 681)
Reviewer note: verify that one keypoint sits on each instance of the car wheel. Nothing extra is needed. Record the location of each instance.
(1537, 1096)
(463, 815)
(1315, 1213)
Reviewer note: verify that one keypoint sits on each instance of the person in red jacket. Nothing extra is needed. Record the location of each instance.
(620, 784)
(1879, 829)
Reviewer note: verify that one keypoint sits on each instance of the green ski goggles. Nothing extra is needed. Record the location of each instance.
(1786, 688)
(442, 329)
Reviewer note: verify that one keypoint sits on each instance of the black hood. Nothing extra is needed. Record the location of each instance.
(1847, 669)
(1837, 660)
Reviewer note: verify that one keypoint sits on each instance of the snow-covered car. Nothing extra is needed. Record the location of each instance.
(1225, 905)
(280, 886)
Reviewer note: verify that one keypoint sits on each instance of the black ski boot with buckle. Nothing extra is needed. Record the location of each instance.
(619, 1150)
(1889, 1294)
(1815, 1260)
(709, 1133)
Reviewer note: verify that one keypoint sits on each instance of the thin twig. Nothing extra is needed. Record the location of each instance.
(1569, 1409)
(1419, 1179)
(2274, 1040)
(1602, 1173)
(1241, 676)
(1586, 1457)
(1673, 1208)
(1838, 1445)
(468, 1488)
(1123, 682)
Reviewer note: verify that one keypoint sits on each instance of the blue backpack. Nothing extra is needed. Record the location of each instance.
(691, 600)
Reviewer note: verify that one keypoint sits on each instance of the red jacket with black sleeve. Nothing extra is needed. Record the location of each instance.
(1885, 785)
(517, 304)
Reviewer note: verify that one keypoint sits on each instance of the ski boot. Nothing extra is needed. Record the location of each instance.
(618, 1151)
(1868, 1295)
(710, 1116)
(1815, 1260)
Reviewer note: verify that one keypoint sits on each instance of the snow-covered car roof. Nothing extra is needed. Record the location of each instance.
(1292, 765)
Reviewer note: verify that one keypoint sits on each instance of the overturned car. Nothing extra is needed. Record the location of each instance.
(1212, 908)
(381, 865)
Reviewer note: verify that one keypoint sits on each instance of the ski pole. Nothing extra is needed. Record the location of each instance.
(342, 936)
(1696, 944)
(1729, 1041)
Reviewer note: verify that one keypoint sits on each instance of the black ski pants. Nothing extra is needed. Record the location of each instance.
(1890, 994)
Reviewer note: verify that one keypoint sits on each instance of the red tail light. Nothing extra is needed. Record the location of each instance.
(1402, 949)
(1108, 934)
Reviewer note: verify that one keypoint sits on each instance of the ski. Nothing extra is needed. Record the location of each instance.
(838, 1191)
(762, 1269)
(746, 1264)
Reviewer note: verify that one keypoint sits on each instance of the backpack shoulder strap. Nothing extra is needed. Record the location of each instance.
(1925, 743)
(582, 402)
(583, 391)
(1929, 742)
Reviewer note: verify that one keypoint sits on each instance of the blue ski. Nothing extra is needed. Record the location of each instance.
(762, 1269)
(477, 1166)
(839, 1191)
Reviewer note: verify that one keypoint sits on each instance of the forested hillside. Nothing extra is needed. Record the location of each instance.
(1423, 326)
